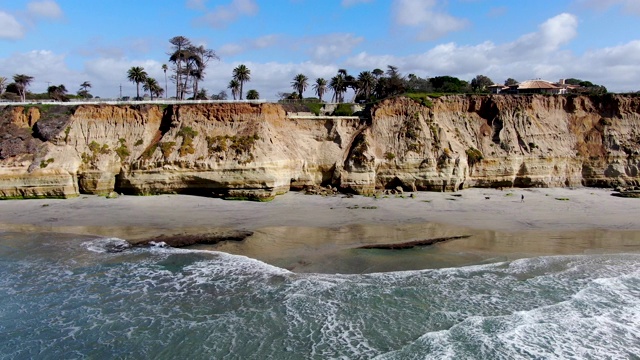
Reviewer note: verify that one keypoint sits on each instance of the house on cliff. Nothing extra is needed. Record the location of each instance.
(533, 87)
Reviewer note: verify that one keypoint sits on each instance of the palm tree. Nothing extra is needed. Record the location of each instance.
(320, 87)
(234, 86)
(300, 84)
(253, 94)
(241, 74)
(180, 44)
(137, 75)
(151, 85)
(3, 84)
(339, 86)
(366, 82)
(22, 82)
(165, 68)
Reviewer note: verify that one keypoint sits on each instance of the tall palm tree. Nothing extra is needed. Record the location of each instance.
(320, 87)
(151, 85)
(300, 83)
(22, 82)
(180, 45)
(3, 84)
(253, 94)
(165, 68)
(339, 86)
(137, 75)
(366, 81)
(242, 74)
(234, 86)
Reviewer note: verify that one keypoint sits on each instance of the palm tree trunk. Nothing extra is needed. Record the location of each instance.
(138, 90)
(241, 88)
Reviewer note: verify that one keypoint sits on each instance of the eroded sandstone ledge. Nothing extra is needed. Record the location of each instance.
(256, 151)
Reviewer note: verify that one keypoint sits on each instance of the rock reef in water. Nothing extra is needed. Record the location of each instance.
(257, 151)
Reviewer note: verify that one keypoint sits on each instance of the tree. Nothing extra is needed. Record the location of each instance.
(84, 90)
(510, 82)
(241, 74)
(300, 84)
(377, 73)
(449, 84)
(137, 75)
(165, 68)
(234, 86)
(320, 87)
(22, 82)
(339, 87)
(178, 56)
(367, 82)
(151, 85)
(201, 95)
(3, 84)
(57, 92)
(203, 57)
(222, 95)
(481, 83)
(253, 95)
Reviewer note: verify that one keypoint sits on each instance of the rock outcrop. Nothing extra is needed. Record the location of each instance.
(256, 151)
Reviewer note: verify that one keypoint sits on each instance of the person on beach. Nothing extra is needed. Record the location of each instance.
(522, 198)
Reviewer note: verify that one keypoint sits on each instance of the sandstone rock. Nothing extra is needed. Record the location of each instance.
(253, 151)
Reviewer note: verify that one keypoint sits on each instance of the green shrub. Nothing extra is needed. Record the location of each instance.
(45, 163)
(474, 156)
(139, 142)
(167, 148)
(389, 156)
(343, 110)
(315, 108)
(187, 134)
(421, 98)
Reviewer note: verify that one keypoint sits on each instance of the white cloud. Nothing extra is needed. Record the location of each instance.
(348, 3)
(222, 15)
(424, 14)
(10, 28)
(44, 9)
(332, 46)
(535, 55)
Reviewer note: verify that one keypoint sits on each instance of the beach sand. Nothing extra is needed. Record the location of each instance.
(311, 233)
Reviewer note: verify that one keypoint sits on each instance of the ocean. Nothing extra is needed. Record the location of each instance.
(74, 297)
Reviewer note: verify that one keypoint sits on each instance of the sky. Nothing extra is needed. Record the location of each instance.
(72, 41)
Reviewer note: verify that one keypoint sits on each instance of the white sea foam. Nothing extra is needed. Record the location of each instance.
(106, 245)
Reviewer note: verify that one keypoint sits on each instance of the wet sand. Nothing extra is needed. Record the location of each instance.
(307, 233)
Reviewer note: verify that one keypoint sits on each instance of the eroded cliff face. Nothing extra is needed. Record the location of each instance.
(241, 150)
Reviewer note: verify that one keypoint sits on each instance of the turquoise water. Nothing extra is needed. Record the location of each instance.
(64, 296)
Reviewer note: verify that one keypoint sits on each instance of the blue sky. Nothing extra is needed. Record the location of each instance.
(71, 41)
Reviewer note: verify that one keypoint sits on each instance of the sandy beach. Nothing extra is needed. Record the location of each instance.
(311, 233)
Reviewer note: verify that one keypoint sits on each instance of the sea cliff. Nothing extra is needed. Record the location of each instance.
(256, 151)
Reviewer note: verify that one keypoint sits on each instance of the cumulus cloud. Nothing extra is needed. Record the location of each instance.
(424, 15)
(10, 28)
(222, 15)
(333, 46)
(44, 9)
(250, 44)
(535, 55)
(348, 3)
